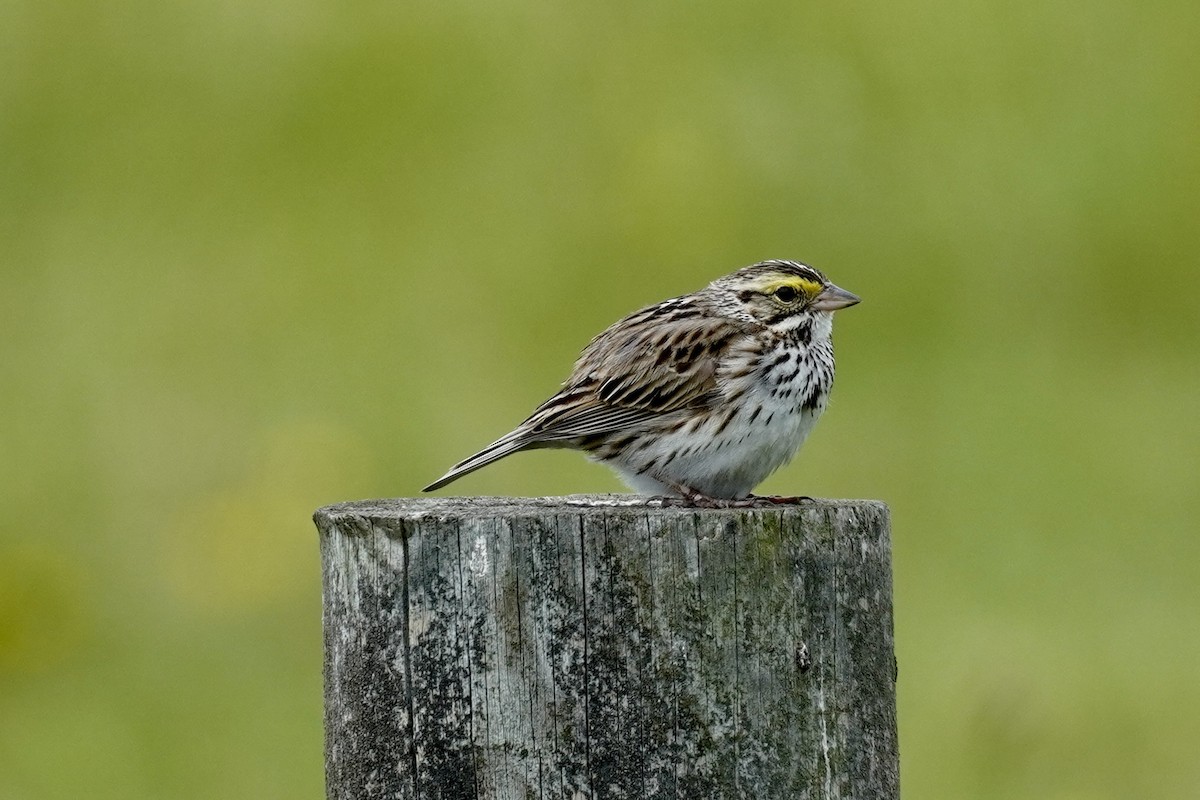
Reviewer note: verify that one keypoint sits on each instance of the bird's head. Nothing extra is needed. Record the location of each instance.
(780, 294)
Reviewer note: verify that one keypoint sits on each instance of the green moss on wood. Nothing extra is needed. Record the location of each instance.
(499, 648)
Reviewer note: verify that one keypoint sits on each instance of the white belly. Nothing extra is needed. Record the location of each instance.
(725, 464)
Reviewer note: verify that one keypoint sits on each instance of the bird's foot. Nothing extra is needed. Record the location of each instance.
(690, 498)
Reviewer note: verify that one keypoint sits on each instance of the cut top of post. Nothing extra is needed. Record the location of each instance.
(491, 507)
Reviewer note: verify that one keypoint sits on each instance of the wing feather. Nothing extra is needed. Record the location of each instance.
(655, 362)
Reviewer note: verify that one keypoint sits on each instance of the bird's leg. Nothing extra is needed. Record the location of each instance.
(690, 497)
(693, 499)
(699, 500)
(684, 496)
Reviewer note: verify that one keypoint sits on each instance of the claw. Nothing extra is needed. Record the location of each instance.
(689, 497)
(692, 499)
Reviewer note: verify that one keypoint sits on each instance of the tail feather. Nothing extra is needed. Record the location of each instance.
(504, 446)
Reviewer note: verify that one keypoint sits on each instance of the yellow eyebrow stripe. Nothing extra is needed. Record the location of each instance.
(803, 285)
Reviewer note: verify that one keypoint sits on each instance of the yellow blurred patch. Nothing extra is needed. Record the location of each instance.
(43, 614)
(252, 544)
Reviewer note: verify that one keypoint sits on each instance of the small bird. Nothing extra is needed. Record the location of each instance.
(699, 397)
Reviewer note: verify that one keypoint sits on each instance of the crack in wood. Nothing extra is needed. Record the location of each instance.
(596, 646)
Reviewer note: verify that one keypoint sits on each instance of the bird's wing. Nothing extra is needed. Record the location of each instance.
(660, 360)
(656, 361)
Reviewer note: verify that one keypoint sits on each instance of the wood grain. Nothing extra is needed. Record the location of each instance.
(600, 647)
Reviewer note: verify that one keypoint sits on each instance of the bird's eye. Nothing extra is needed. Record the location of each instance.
(786, 294)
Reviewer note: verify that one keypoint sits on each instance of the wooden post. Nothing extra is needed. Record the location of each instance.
(601, 647)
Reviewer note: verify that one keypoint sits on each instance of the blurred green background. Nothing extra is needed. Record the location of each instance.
(258, 256)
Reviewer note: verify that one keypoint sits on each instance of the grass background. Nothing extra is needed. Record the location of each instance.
(260, 256)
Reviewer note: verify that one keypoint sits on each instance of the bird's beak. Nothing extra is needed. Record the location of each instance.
(834, 298)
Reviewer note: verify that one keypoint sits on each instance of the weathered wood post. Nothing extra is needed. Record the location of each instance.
(600, 647)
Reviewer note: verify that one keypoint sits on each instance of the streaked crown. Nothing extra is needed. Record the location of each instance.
(773, 289)
(767, 276)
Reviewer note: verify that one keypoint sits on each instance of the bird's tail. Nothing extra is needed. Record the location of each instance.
(504, 446)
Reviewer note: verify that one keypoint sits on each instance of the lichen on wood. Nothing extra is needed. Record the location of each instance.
(603, 647)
